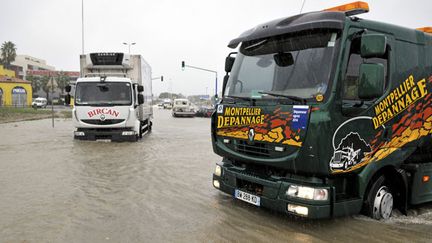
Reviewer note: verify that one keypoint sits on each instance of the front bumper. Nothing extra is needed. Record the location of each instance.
(115, 135)
(273, 195)
(183, 113)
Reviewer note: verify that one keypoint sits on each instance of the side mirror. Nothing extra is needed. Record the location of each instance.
(373, 45)
(140, 99)
(68, 88)
(371, 83)
(229, 62)
(140, 88)
(284, 59)
(224, 84)
(67, 99)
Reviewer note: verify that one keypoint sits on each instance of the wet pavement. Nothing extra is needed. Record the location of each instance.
(55, 189)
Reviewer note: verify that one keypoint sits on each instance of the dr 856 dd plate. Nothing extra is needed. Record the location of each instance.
(247, 197)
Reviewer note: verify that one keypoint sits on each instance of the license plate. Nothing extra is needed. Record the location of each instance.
(247, 197)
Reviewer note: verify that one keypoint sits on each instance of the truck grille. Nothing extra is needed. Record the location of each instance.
(255, 149)
(105, 122)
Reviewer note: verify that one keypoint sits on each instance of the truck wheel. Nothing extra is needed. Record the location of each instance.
(380, 200)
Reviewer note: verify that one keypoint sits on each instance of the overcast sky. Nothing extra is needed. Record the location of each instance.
(165, 31)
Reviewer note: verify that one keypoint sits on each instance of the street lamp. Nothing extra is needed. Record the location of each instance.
(129, 44)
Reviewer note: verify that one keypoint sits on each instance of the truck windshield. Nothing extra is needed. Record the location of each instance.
(292, 66)
(107, 93)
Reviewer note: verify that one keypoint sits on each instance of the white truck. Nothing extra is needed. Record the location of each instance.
(112, 98)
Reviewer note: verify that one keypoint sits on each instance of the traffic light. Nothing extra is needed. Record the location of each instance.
(161, 78)
(183, 65)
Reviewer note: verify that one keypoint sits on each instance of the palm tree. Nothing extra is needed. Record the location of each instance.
(62, 81)
(45, 85)
(8, 53)
(35, 83)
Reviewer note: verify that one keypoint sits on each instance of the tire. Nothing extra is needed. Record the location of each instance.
(379, 202)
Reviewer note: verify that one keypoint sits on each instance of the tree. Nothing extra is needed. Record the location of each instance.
(46, 85)
(62, 81)
(8, 53)
(164, 95)
(35, 83)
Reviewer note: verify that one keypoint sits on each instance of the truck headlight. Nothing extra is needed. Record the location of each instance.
(304, 211)
(318, 194)
(218, 170)
(128, 133)
(216, 184)
(79, 134)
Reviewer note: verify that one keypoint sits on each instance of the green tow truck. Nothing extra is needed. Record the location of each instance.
(325, 114)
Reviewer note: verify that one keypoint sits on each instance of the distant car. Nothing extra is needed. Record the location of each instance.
(183, 107)
(204, 112)
(40, 103)
(167, 106)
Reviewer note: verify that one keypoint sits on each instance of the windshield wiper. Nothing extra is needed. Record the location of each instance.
(294, 98)
(233, 97)
(256, 44)
(239, 97)
(101, 104)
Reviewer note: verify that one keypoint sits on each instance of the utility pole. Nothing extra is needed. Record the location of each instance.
(52, 96)
(82, 26)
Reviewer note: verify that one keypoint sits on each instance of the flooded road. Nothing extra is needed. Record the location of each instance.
(55, 189)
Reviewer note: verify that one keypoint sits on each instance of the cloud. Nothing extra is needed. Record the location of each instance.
(166, 32)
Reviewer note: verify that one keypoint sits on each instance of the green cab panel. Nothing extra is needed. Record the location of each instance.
(422, 189)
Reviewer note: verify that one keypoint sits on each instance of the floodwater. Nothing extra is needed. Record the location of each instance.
(55, 189)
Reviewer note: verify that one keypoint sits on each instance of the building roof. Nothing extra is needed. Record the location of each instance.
(6, 79)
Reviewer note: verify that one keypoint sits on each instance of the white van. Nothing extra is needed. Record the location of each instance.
(183, 107)
(39, 103)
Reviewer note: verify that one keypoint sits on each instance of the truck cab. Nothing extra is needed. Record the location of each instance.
(325, 114)
(112, 99)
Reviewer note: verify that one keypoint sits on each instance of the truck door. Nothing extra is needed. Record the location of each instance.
(353, 137)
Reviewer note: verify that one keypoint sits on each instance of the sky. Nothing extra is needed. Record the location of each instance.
(166, 32)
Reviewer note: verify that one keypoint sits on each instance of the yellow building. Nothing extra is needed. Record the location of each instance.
(14, 91)
(6, 72)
